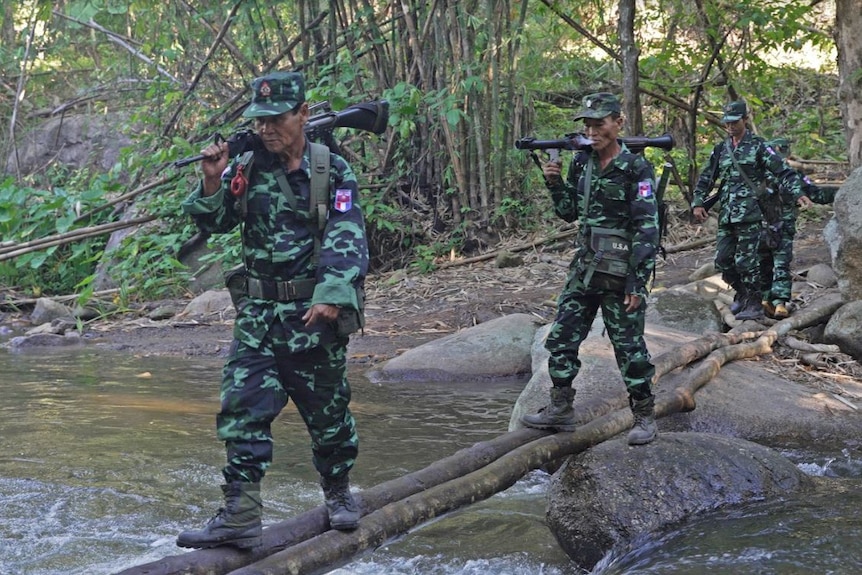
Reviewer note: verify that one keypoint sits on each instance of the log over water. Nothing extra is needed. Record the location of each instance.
(304, 546)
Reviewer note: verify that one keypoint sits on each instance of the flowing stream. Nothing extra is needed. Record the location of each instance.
(105, 457)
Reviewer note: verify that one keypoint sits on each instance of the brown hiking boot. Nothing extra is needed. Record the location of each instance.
(559, 415)
(781, 311)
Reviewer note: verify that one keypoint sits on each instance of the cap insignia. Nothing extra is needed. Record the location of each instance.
(265, 90)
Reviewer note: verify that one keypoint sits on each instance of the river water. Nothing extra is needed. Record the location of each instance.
(105, 457)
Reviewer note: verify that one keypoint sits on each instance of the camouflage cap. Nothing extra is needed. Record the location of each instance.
(275, 94)
(598, 106)
(734, 111)
(780, 145)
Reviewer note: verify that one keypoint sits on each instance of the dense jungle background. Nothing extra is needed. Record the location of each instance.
(99, 97)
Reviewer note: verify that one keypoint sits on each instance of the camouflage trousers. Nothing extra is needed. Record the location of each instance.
(256, 386)
(775, 278)
(737, 256)
(576, 311)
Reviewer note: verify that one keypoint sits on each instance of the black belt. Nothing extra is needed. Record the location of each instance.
(280, 291)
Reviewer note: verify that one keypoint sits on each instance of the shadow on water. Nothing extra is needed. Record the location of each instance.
(104, 457)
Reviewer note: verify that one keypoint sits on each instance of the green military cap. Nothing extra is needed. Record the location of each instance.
(780, 145)
(598, 106)
(275, 94)
(734, 111)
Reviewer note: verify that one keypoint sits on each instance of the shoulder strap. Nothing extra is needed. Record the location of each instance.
(758, 190)
(319, 200)
(320, 182)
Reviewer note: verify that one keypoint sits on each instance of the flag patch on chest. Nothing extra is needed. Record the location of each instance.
(343, 200)
(645, 189)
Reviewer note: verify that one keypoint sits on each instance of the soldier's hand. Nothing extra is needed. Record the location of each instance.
(320, 313)
(699, 214)
(632, 302)
(552, 171)
(804, 202)
(214, 163)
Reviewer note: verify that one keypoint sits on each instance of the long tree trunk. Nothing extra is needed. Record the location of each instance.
(628, 48)
(848, 23)
(303, 545)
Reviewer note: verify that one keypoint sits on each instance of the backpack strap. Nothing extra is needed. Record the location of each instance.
(319, 200)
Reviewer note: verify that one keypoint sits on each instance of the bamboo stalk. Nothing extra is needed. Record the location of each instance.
(69, 237)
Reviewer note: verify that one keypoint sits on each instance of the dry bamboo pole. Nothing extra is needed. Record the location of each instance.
(8, 253)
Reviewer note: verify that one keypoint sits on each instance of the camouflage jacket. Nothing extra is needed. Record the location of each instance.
(787, 206)
(622, 197)
(737, 201)
(278, 243)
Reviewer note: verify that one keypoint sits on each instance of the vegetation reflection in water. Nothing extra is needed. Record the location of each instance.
(105, 457)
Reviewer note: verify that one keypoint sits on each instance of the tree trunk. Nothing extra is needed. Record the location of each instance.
(628, 48)
(303, 545)
(848, 23)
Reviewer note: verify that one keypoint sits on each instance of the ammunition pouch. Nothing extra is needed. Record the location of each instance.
(607, 260)
(351, 320)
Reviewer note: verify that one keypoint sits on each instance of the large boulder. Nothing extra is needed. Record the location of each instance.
(689, 307)
(599, 378)
(843, 234)
(499, 348)
(611, 494)
(75, 140)
(844, 328)
(745, 399)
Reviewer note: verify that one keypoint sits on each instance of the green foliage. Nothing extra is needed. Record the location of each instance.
(141, 57)
(28, 214)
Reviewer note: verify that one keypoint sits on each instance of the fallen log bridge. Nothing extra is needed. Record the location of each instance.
(304, 545)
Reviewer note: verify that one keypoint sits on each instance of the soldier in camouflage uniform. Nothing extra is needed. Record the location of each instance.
(610, 191)
(741, 163)
(286, 345)
(776, 246)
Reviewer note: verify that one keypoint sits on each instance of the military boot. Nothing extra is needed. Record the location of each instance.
(340, 504)
(237, 523)
(752, 309)
(738, 302)
(644, 430)
(558, 415)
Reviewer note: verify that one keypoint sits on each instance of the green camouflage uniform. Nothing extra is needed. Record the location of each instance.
(740, 217)
(776, 246)
(621, 198)
(274, 357)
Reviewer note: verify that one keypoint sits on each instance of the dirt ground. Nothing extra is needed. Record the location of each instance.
(406, 309)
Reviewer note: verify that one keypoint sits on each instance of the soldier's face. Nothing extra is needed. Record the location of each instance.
(603, 132)
(735, 129)
(284, 132)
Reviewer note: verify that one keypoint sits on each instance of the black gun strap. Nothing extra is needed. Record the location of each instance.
(582, 221)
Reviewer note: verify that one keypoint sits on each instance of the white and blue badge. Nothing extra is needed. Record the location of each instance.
(645, 189)
(343, 200)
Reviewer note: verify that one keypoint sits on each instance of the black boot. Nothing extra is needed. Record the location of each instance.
(237, 523)
(753, 309)
(644, 430)
(342, 507)
(738, 302)
(558, 415)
